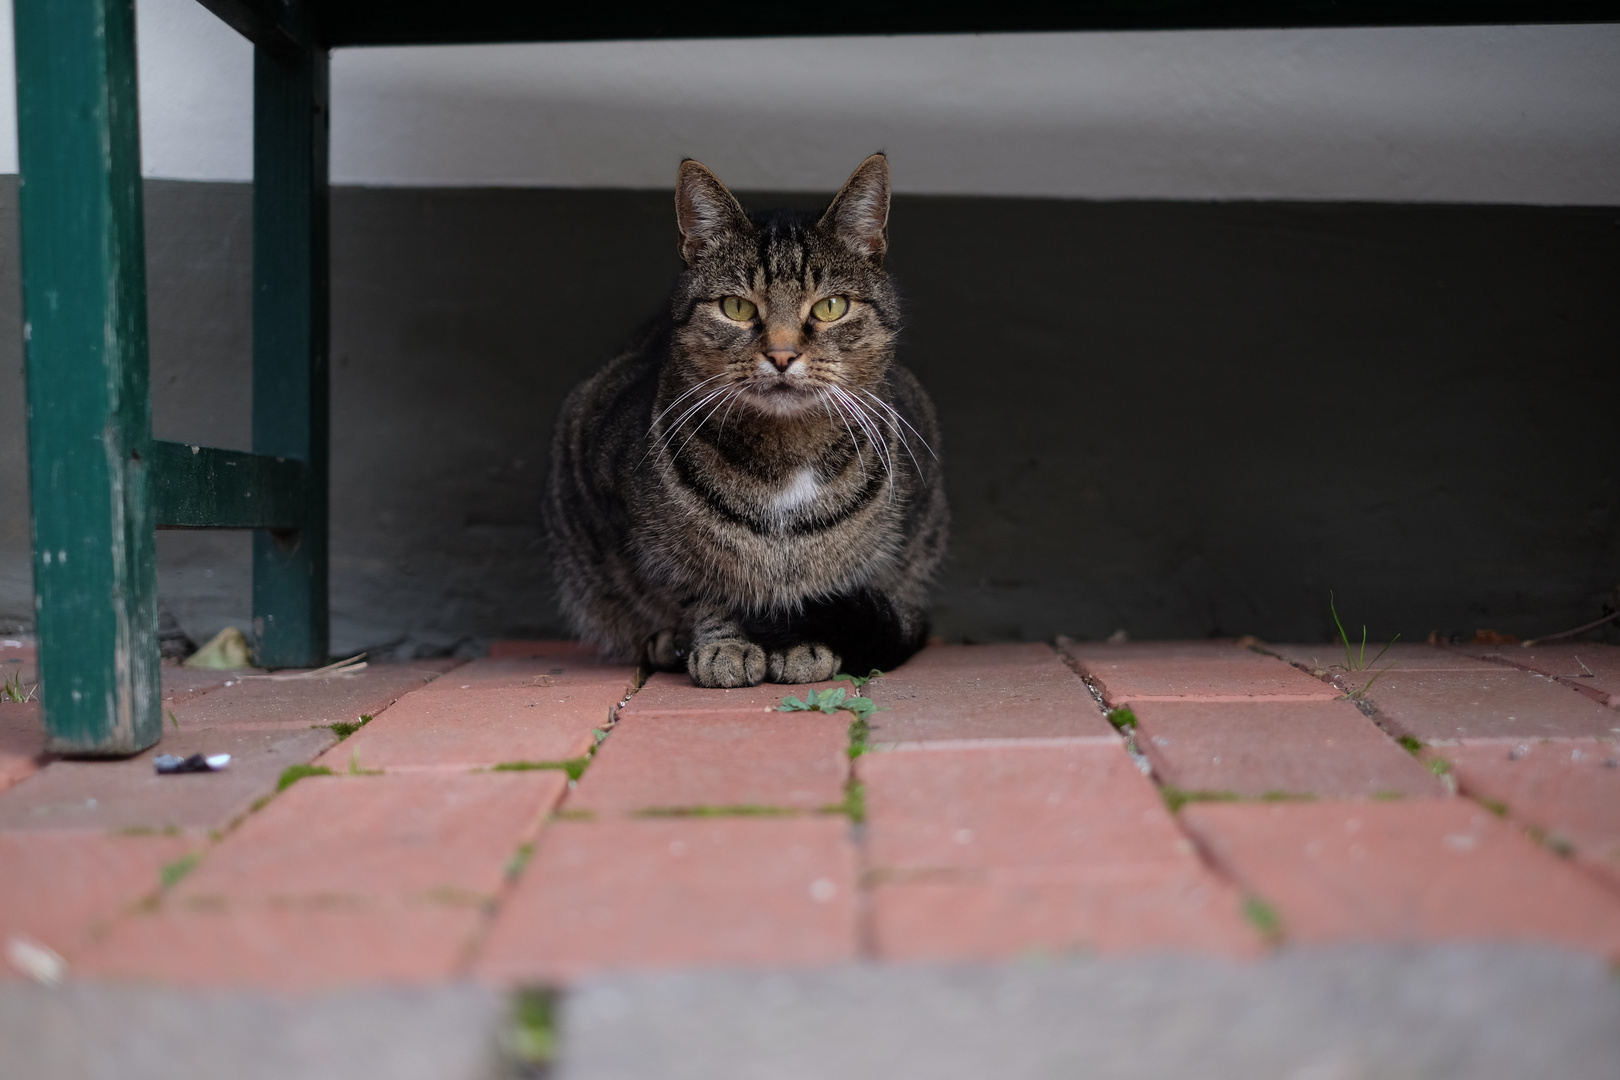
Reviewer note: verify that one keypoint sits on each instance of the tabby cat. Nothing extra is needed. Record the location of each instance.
(751, 491)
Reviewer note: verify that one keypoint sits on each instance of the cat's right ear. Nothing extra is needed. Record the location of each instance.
(705, 211)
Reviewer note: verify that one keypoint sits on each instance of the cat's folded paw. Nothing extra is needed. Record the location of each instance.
(662, 652)
(727, 664)
(806, 662)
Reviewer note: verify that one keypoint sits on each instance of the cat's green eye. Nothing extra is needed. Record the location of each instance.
(737, 308)
(830, 308)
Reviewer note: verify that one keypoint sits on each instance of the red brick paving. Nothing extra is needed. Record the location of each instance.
(1048, 844)
(1594, 670)
(1402, 656)
(795, 760)
(570, 654)
(1570, 790)
(60, 888)
(129, 794)
(1420, 870)
(1322, 748)
(1050, 802)
(22, 742)
(1126, 674)
(339, 880)
(400, 837)
(527, 673)
(1010, 821)
(686, 892)
(670, 693)
(301, 703)
(288, 946)
(464, 729)
(983, 692)
(1505, 703)
(1104, 908)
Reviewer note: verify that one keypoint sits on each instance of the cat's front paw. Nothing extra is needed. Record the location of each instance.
(729, 663)
(663, 653)
(806, 662)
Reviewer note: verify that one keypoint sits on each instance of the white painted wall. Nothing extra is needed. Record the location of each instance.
(1527, 114)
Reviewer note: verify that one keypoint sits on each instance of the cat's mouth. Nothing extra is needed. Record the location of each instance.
(782, 395)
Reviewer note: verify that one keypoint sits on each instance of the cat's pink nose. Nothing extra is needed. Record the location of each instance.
(782, 358)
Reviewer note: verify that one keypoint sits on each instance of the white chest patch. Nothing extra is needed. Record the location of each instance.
(801, 489)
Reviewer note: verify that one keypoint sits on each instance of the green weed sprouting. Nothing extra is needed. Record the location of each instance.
(1410, 745)
(1357, 661)
(520, 858)
(12, 688)
(343, 730)
(294, 773)
(171, 873)
(574, 767)
(858, 680)
(738, 810)
(531, 1037)
(1263, 917)
(1122, 718)
(854, 804)
(830, 701)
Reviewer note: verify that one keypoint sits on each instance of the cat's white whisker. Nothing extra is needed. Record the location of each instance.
(880, 444)
(667, 435)
(653, 427)
(686, 394)
(905, 442)
(860, 457)
(895, 413)
(697, 427)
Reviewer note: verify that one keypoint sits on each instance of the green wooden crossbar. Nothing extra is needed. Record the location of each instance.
(101, 485)
(199, 487)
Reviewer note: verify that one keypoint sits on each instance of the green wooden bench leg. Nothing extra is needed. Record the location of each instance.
(89, 426)
(290, 332)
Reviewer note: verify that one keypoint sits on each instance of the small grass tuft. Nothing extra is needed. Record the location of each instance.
(1357, 660)
(1122, 718)
(1495, 806)
(171, 873)
(12, 688)
(1263, 917)
(1175, 798)
(174, 720)
(520, 858)
(1410, 745)
(343, 730)
(739, 810)
(857, 680)
(855, 801)
(294, 773)
(859, 732)
(1439, 766)
(574, 767)
(1388, 796)
(531, 1034)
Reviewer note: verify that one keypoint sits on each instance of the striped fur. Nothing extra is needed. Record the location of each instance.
(759, 499)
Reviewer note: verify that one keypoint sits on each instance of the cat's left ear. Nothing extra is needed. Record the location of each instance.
(859, 213)
(705, 211)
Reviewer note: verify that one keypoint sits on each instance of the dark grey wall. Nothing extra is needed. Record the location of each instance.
(1172, 418)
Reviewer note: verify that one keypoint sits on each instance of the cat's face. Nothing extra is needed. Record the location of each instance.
(785, 314)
